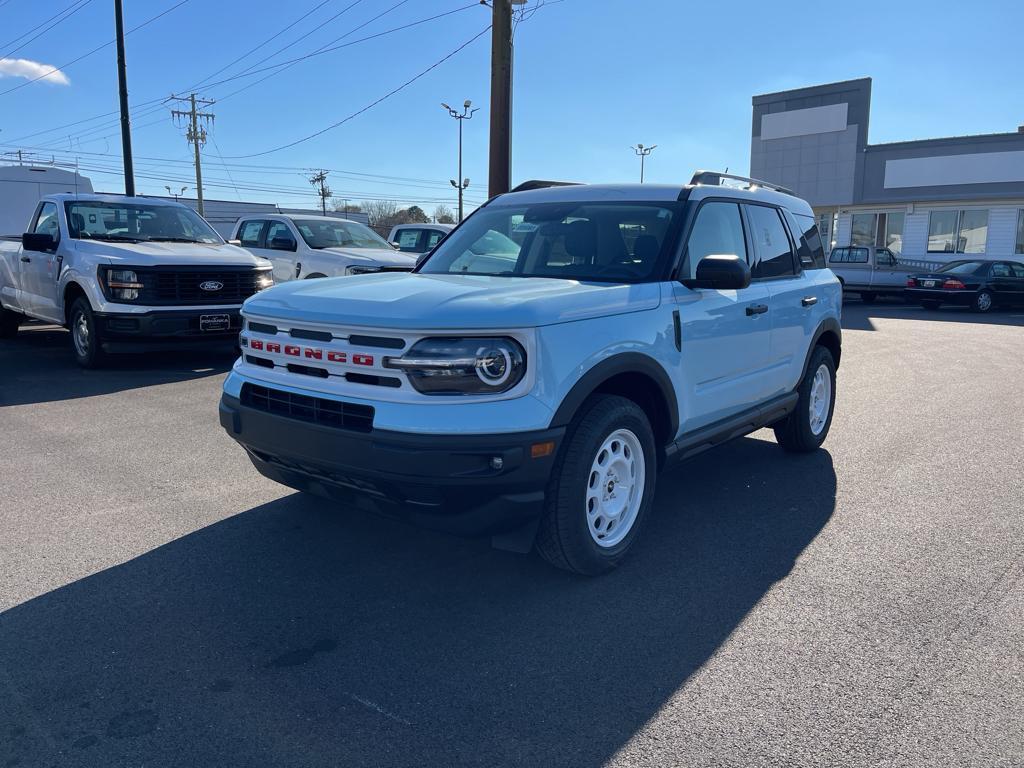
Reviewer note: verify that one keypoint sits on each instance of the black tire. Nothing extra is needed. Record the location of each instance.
(867, 297)
(9, 322)
(983, 302)
(795, 432)
(564, 538)
(85, 343)
(931, 304)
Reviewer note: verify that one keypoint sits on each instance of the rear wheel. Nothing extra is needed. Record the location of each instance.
(85, 337)
(806, 427)
(867, 297)
(9, 322)
(601, 489)
(931, 304)
(982, 302)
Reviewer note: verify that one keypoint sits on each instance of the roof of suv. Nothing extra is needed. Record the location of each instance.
(658, 193)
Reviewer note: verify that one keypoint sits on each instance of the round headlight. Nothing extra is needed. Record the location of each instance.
(493, 366)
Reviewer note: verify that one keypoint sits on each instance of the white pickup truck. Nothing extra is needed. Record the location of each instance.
(318, 246)
(125, 274)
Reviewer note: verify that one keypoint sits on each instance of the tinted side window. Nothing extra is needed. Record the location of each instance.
(718, 230)
(249, 234)
(1000, 270)
(812, 255)
(279, 229)
(1018, 269)
(772, 249)
(433, 238)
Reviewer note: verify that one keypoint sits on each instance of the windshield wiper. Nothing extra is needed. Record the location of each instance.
(109, 238)
(173, 240)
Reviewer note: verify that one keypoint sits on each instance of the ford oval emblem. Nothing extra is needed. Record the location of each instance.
(211, 285)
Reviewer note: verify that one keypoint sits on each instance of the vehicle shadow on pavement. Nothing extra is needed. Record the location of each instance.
(300, 634)
(37, 367)
(857, 316)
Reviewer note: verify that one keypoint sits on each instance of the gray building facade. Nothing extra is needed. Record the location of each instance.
(927, 200)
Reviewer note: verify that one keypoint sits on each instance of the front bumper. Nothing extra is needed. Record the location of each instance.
(961, 297)
(446, 482)
(125, 331)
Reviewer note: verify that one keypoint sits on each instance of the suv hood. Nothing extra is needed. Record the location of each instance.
(157, 254)
(373, 256)
(453, 302)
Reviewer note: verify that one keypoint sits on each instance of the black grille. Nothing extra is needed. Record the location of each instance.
(315, 410)
(182, 286)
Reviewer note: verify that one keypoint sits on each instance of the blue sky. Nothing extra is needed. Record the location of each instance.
(592, 77)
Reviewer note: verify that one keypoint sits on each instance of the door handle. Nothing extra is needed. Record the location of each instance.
(809, 301)
(298, 268)
(25, 258)
(756, 309)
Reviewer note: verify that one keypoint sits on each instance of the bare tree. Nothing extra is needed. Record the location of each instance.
(380, 212)
(443, 215)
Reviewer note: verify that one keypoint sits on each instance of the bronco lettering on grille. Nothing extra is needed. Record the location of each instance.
(310, 353)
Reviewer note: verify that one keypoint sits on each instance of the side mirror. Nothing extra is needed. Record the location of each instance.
(396, 245)
(282, 244)
(721, 272)
(423, 257)
(38, 241)
(235, 242)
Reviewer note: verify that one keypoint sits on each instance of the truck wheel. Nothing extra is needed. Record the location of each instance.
(85, 337)
(601, 488)
(982, 302)
(805, 428)
(9, 322)
(867, 297)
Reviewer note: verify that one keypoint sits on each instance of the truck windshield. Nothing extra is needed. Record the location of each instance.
(615, 242)
(136, 222)
(339, 234)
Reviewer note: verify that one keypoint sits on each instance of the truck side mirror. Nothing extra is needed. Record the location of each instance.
(282, 244)
(720, 272)
(38, 241)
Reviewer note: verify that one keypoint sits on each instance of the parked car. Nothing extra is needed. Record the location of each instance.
(980, 285)
(870, 272)
(418, 238)
(125, 274)
(536, 398)
(317, 246)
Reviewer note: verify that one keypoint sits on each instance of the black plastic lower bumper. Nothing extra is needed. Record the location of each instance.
(468, 484)
(178, 328)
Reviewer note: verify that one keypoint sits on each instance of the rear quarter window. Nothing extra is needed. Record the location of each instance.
(809, 248)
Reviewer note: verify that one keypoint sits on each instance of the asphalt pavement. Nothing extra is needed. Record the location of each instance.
(161, 604)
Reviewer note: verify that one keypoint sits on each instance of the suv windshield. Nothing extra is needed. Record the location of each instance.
(339, 234)
(602, 242)
(136, 222)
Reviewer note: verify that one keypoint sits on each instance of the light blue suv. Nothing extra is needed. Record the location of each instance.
(533, 390)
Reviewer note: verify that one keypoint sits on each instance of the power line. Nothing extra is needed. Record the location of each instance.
(80, 3)
(370, 106)
(95, 50)
(196, 135)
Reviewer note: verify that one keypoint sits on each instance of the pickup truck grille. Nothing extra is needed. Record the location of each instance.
(183, 286)
(316, 410)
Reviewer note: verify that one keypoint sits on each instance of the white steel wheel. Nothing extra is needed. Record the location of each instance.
(820, 399)
(615, 488)
(80, 333)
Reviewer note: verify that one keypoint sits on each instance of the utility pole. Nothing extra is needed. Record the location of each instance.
(499, 178)
(467, 114)
(122, 88)
(195, 134)
(319, 179)
(642, 152)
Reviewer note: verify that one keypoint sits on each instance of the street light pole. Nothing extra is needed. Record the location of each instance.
(466, 114)
(122, 91)
(643, 152)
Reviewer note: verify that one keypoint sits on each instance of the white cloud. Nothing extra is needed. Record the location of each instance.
(31, 70)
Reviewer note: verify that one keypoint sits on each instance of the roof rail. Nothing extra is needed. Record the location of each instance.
(714, 179)
(541, 184)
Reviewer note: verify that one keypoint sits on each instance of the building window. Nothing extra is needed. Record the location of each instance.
(957, 231)
(1020, 232)
(878, 230)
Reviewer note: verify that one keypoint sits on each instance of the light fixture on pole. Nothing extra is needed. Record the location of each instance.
(467, 114)
(172, 193)
(643, 152)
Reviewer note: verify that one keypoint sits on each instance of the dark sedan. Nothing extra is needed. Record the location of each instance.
(981, 285)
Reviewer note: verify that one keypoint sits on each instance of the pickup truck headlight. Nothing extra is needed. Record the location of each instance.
(123, 284)
(462, 366)
(264, 280)
(354, 270)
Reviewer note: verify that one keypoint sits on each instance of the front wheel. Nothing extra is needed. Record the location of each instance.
(982, 302)
(85, 337)
(805, 429)
(9, 323)
(601, 488)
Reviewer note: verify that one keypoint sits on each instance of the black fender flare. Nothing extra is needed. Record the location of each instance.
(829, 324)
(625, 362)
